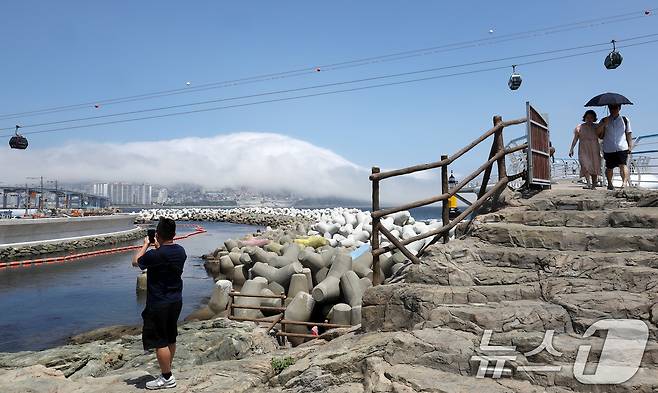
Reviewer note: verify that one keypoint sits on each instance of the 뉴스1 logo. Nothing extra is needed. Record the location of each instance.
(620, 357)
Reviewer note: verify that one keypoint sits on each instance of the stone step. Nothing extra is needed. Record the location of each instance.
(636, 279)
(644, 380)
(552, 201)
(404, 305)
(567, 346)
(547, 260)
(504, 316)
(493, 275)
(575, 239)
(631, 218)
(412, 378)
(586, 304)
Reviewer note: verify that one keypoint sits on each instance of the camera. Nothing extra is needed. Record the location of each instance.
(151, 235)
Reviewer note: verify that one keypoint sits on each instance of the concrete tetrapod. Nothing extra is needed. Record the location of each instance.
(309, 278)
(226, 265)
(235, 257)
(292, 251)
(276, 287)
(351, 287)
(356, 315)
(214, 267)
(280, 261)
(274, 247)
(329, 288)
(312, 260)
(141, 281)
(250, 287)
(320, 275)
(362, 265)
(231, 244)
(220, 296)
(298, 283)
(300, 309)
(246, 260)
(341, 314)
(269, 302)
(257, 254)
(281, 275)
(239, 277)
(328, 255)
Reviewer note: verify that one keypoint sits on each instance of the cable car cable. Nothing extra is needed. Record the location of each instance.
(333, 84)
(330, 92)
(341, 65)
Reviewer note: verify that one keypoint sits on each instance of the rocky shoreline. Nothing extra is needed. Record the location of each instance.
(424, 332)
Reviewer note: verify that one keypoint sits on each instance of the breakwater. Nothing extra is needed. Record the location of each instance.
(322, 266)
(39, 229)
(264, 216)
(28, 250)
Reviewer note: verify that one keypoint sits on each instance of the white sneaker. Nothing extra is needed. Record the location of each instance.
(161, 383)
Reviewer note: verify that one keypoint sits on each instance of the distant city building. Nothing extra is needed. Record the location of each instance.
(101, 189)
(125, 193)
(162, 196)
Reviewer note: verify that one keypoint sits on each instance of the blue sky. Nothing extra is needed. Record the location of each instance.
(58, 53)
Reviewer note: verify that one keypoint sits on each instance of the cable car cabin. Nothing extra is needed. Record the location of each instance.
(18, 142)
(613, 60)
(514, 81)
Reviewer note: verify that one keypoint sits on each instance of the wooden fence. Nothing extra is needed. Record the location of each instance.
(277, 319)
(496, 156)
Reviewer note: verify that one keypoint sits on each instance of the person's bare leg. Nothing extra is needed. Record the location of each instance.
(608, 175)
(164, 359)
(625, 176)
(172, 351)
(595, 181)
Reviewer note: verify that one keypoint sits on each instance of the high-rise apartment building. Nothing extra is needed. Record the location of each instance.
(125, 193)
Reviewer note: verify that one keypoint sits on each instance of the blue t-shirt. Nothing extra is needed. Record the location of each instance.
(165, 266)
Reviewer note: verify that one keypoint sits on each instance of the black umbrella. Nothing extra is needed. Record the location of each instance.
(608, 99)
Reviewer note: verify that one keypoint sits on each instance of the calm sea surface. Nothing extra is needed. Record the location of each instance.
(41, 306)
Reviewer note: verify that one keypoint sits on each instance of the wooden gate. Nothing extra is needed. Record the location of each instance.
(539, 147)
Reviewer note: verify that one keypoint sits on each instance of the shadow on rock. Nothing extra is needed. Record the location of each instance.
(139, 382)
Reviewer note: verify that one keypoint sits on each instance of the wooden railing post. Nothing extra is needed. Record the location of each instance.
(445, 216)
(374, 241)
(500, 146)
(494, 149)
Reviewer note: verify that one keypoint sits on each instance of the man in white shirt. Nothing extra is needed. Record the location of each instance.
(615, 130)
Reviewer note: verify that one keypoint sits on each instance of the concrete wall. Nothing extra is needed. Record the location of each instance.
(28, 230)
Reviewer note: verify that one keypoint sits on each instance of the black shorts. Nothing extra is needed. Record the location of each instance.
(613, 160)
(160, 324)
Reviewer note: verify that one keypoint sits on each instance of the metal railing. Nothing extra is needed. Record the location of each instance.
(518, 161)
(643, 164)
(565, 169)
(277, 319)
(497, 155)
(643, 161)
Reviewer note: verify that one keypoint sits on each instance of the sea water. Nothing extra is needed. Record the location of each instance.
(41, 306)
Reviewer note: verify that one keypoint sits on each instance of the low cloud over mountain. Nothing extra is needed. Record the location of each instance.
(261, 161)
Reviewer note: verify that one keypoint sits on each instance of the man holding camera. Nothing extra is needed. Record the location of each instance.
(164, 300)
